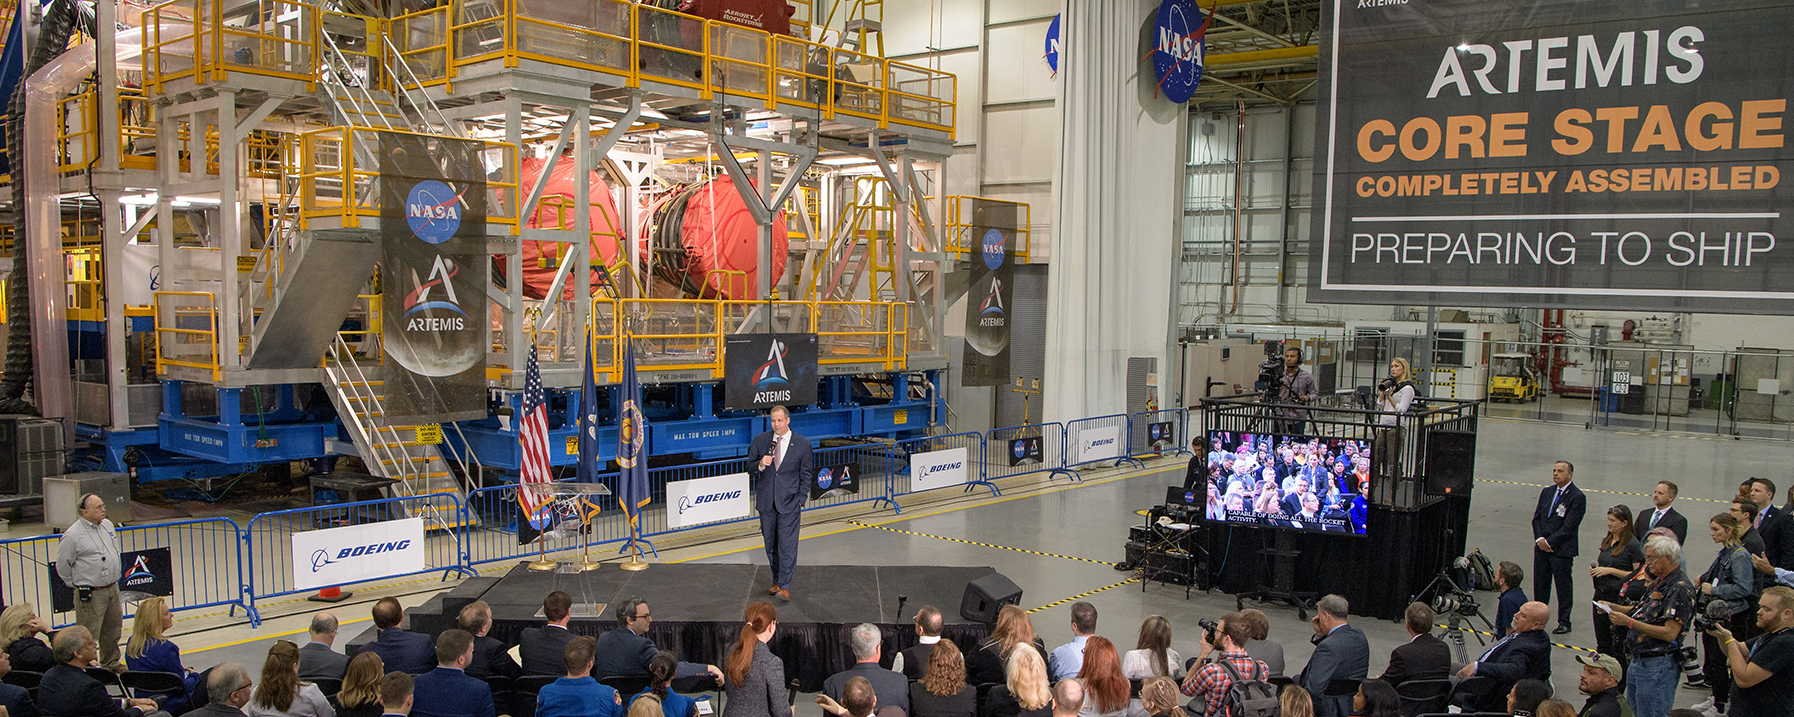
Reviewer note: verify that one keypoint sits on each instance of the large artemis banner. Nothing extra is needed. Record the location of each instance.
(985, 359)
(433, 274)
(1550, 153)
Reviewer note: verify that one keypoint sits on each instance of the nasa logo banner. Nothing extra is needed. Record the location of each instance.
(835, 481)
(988, 299)
(1161, 435)
(148, 573)
(1178, 49)
(433, 271)
(1026, 450)
(937, 469)
(707, 500)
(1555, 153)
(765, 370)
(1095, 444)
(339, 556)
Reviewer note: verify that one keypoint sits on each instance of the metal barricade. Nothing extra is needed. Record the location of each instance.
(973, 443)
(1012, 451)
(654, 517)
(26, 565)
(495, 539)
(268, 539)
(872, 470)
(1094, 437)
(205, 556)
(1159, 433)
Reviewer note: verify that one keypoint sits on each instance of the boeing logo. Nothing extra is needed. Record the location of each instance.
(442, 274)
(321, 558)
(1100, 442)
(689, 502)
(941, 468)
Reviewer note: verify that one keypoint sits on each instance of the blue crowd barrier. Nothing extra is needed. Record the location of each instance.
(205, 555)
(1076, 431)
(1142, 443)
(1005, 459)
(972, 442)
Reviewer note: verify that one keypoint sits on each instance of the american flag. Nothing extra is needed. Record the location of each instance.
(532, 437)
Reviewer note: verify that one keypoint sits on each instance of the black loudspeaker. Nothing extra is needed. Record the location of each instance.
(1450, 462)
(986, 595)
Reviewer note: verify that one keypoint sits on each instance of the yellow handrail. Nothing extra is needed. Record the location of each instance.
(208, 336)
(331, 184)
(961, 219)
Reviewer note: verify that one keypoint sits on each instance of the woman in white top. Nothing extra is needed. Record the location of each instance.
(1394, 396)
(280, 693)
(1152, 656)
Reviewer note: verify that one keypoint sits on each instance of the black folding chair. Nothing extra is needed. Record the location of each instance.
(328, 685)
(523, 700)
(109, 679)
(24, 678)
(1420, 696)
(695, 684)
(503, 690)
(158, 686)
(627, 685)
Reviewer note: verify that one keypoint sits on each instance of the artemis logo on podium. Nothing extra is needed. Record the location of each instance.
(770, 382)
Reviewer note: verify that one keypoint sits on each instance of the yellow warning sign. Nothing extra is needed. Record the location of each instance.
(429, 434)
(900, 415)
(573, 445)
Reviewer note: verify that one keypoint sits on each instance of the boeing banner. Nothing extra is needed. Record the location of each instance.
(1555, 153)
(985, 360)
(433, 271)
(765, 370)
(339, 556)
(707, 500)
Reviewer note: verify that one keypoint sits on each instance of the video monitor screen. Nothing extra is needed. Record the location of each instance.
(1294, 482)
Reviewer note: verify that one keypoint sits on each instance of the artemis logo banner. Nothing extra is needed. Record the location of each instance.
(1555, 153)
(765, 370)
(433, 262)
(985, 359)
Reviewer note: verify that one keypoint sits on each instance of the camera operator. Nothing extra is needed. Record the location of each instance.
(1295, 388)
(1654, 629)
(1729, 581)
(1765, 673)
(1394, 395)
(1212, 682)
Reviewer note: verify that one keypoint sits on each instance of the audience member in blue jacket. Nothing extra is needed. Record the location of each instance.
(661, 669)
(577, 694)
(448, 691)
(400, 650)
(150, 651)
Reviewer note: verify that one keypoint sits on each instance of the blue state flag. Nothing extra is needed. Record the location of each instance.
(589, 468)
(632, 439)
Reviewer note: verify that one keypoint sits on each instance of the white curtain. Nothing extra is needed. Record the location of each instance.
(1109, 290)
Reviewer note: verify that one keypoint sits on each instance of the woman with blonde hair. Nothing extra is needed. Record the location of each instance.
(1158, 698)
(985, 665)
(1295, 702)
(360, 696)
(943, 690)
(150, 650)
(1025, 691)
(646, 704)
(19, 629)
(281, 693)
(1395, 395)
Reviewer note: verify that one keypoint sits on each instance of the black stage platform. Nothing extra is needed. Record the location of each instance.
(698, 608)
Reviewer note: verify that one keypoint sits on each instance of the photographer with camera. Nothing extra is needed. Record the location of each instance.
(1654, 629)
(1729, 582)
(1294, 388)
(1395, 394)
(1764, 673)
(1215, 680)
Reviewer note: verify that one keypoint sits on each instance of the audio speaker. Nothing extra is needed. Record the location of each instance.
(1450, 462)
(986, 595)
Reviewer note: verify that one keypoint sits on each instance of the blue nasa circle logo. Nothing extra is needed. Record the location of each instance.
(825, 479)
(1021, 449)
(1177, 57)
(1052, 44)
(1190, 497)
(995, 245)
(433, 210)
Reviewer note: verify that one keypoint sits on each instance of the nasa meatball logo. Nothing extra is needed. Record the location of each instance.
(825, 479)
(1021, 449)
(994, 245)
(770, 382)
(1190, 497)
(433, 210)
(1177, 58)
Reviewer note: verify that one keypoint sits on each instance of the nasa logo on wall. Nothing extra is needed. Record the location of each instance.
(1178, 49)
(433, 209)
(1052, 45)
(995, 246)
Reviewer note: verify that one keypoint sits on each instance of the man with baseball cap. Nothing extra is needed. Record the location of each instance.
(1602, 681)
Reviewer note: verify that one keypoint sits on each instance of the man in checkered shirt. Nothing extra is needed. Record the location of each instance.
(1213, 682)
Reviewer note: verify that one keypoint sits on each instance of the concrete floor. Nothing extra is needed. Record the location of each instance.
(1087, 524)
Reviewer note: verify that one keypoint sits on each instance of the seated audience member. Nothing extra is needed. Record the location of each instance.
(448, 691)
(858, 699)
(1067, 659)
(1341, 654)
(913, 660)
(1211, 683)
(1152, 655)
(627, 650)
(892, 688)
(281, 693)
(661, 670)
(227, 691)
(318, 659)
(543, 648)
(943, 690)
(19, 630)
(646, 705)
(399, 649)
(490, 656)
(1294, 701)
(1158, 698)
(1525, 696)
(149, 651)
(397, 692)
(67, 691)
(577, 694)
(1508, 576)
(14, 698)
(1105, 689)
(754, 684)
(1524, 654)
(1556, 708)
(1014, 627)
(360, 696)
(1259, 644)
(1024, 692)
(1422, 657)
(1068, 698)
(1603, 682)
(1376, 698)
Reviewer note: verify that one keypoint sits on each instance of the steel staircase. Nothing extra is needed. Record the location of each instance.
(388, 450)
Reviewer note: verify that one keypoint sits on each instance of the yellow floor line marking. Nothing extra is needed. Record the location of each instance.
(1081, 596)
(1491, 634)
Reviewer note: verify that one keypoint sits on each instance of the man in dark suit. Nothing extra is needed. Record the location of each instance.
(227, 689)
(1508, 576)
(319, 658)
(1524, 654)
(1340, 653)
(912, 661)
(1661, 514)
(1554, 525)
(627, 649)
(892, 688)
(399, 650)
(544, 648)
(14, 698)
(490, 656)
(782, 466)
(1778, 536)
(448, 691)
(67, 691)
(1292, 502)
(1423, 657)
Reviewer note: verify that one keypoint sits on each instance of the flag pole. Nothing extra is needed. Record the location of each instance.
(586, 507)
(541, 563)
(635, 562)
